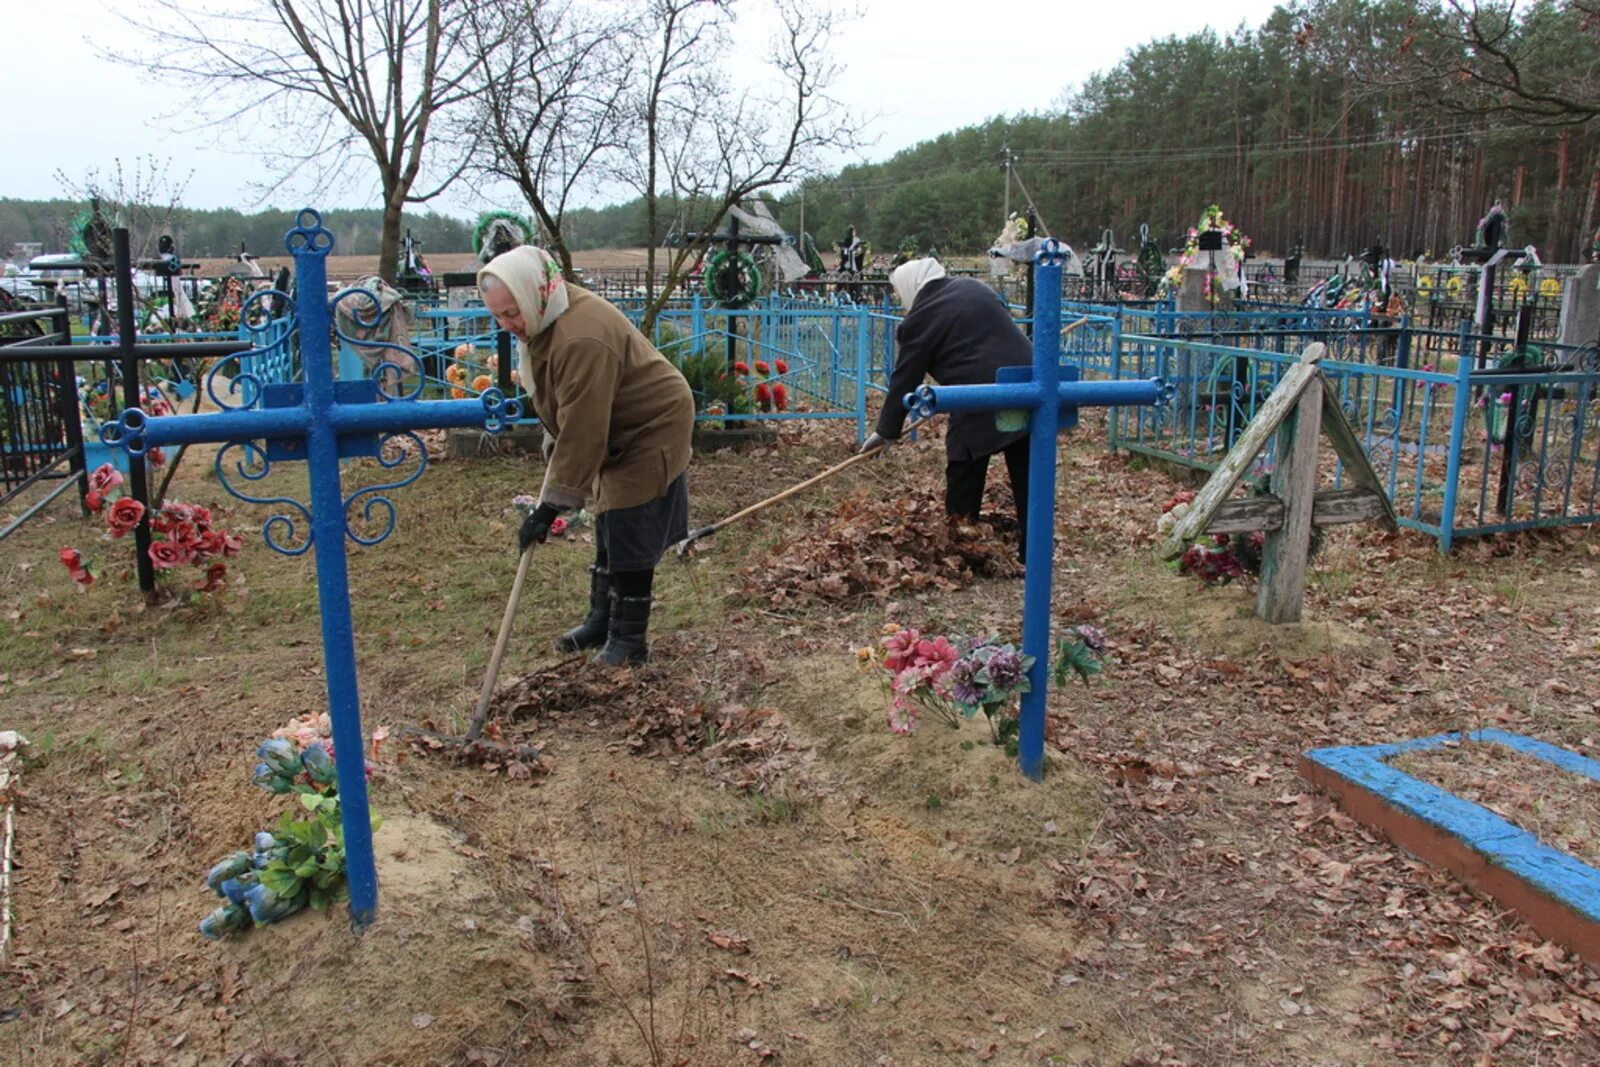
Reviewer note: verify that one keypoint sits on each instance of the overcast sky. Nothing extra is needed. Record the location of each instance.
(919, 67)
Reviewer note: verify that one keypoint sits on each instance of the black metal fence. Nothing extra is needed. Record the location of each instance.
(41, 435)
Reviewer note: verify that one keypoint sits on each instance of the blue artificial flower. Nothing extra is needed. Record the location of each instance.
(266, 907)
(319, 764)
(231, 867)
(264, 841)
(271, 780)
(236, 889)
(280, 755)
(223, 921)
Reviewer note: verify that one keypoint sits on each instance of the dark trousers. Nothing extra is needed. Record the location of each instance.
(964, 481)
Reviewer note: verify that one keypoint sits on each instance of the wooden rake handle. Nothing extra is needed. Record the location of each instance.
(706, 531)
(492, 675)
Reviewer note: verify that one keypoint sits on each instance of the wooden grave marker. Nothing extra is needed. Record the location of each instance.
(1296, 411)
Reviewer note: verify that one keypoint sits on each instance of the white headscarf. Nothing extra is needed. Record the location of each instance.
(534, 278)
(909, 278)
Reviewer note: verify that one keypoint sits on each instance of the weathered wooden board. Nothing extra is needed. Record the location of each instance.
(1331, 507)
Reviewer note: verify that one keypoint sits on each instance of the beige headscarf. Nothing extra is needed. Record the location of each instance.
(534, 278)
(909, 278)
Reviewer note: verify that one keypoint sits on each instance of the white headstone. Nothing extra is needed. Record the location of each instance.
(1580, 307)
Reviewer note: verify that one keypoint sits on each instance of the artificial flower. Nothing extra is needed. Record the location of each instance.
(124, 515)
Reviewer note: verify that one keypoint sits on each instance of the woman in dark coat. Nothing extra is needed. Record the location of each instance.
(957, 331)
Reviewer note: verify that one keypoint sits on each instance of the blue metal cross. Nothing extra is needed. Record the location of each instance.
(322, 421)
(1046, 396)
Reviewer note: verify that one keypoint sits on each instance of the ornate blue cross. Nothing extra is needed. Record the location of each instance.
(1046, 397)
(322, 421)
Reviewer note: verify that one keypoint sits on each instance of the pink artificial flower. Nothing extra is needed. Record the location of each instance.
(898, 649)
(94, 501)
(937, 655)
(902, 717)
(231, 543)
(558, 526)
(156, 457)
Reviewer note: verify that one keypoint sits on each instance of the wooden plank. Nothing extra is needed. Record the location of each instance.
(1294, 481)
(1264, 512)
(1347, 446)
(1220, 487)
(1246, 514)
(1334, 507)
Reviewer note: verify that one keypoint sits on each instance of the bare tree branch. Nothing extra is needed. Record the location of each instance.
(366, 79)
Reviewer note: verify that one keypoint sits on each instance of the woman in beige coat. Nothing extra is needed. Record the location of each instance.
(618, 419)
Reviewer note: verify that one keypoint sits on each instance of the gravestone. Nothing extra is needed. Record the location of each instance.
(1580, 307)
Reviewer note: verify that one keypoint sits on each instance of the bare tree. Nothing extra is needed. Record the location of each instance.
(709, 144)
(340, 82)
(550, 105)
(143, 196)
(1479, 58)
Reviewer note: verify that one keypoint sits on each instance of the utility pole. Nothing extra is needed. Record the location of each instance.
(1006, 212)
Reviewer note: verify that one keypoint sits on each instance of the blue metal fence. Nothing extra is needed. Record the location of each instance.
(1465, 448)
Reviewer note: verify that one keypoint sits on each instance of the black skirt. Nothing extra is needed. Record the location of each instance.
(634, 539)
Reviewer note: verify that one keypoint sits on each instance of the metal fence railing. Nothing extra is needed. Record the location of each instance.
(1465, 449)
(41, 436)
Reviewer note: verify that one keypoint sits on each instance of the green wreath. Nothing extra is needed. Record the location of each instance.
(481, 232)
(732, 279)
(91, 236)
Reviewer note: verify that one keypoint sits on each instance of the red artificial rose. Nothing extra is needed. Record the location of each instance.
(201, 516)
(104, 478)
(82, 576)
(780, 396)
(231, 543)
(183, 533)
(71, 558)
(94, 501)
(156, 457)
(763, 396)
(212, 579)
(208, 543)
(168, 554)
(762, 368)
(782, 365)
(741, 367)
(178, 512)
(124, 515)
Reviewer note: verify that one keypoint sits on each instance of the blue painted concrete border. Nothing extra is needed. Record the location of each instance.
(1510, 847)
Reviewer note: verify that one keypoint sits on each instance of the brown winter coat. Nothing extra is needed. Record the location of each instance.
(621, 415)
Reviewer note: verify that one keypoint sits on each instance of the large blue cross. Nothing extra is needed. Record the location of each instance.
(1047, 396)
(322, 421)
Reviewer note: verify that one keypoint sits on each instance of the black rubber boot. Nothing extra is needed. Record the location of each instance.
(625, 641)
(591, 632)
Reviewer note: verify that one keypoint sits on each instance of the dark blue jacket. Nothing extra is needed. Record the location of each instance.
(957, 333)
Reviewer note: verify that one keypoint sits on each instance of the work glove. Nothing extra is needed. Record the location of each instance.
(876, 441)
(536, 527)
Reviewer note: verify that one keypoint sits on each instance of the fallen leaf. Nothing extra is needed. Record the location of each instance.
(727, 939)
